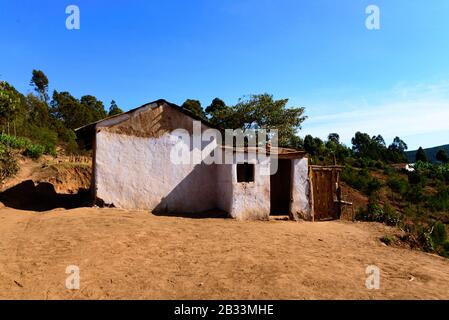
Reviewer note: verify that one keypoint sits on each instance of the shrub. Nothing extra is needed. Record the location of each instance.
(361, 180)
(425, 239)
(391, 216)
(439, 234)
(8, 164)
(376, 213)
(34, 151)
(14, 142)
(388, 240)
(47, 138)
(398, 185)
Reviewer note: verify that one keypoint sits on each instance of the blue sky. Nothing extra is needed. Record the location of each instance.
(318, 53)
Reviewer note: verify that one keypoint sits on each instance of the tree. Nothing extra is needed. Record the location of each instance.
(398, 145)
(334, 137)
(312, 145)
(396, 151)
(216, 106)
(263, 112)
(421, 155)
(40, 82)
(95, 108)
(442, 156)
(114, 109)
(194, 106)
(10, 104)
(69, 110)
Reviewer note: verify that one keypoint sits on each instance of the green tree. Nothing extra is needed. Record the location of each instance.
(442, 156)
(10, 105)
(194, 106)
(95, 108)
(40, 82)
(69, 110)
(313, 146)
(421, 155)
(397, 151)
(216, 106)
(334, 137)
(263, 112)
(114, 109)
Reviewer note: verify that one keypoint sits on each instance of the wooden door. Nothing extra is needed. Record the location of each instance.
(324, 194)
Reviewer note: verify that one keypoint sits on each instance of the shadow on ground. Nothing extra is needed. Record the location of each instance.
(210, 214)
(42, 197)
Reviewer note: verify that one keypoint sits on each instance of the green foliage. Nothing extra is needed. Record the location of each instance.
(260, 111)
(40, 82)
(361, 180)
(439, 234)
(425, 238)
(421, 155)
(8, 164)
(194, 106)
(14, 142)
(398, 184)
(376, 213)
(388, 240)
(442, 156)
(114, 109)
(34, 151)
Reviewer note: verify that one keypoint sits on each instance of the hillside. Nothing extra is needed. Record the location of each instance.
(430, 152)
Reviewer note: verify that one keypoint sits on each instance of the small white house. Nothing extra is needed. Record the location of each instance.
(133, 168)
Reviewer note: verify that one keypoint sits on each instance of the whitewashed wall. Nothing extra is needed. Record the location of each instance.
(135, 172)
(301, 207)
(251, 200)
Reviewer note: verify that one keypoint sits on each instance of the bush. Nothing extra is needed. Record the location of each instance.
(376, 213)
(398, 185)
(391, 216)
(361, 180)
(425, 239)
(388, 240)
(439, 234)
(8, 164)
(47, 138)
(14, 142)
(34, 151)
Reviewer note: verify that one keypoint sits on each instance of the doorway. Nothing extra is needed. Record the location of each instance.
(281, 188)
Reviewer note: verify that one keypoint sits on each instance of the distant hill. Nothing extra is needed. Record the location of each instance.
(430, 152)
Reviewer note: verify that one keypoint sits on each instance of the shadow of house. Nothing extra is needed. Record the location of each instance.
(187, 198)
(42, 197)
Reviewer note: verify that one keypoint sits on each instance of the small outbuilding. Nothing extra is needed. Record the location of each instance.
(134, 168)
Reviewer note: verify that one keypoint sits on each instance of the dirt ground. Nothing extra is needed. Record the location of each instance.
(134, 254)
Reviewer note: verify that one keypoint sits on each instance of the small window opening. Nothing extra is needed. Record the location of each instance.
(245, 172)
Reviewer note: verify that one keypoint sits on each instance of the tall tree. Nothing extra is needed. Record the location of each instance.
(263, 112)
(334, 137)
(442, 156)
(95, 108)
(194, 106)
(10, 106)
(40, 82)
(69, 110)
(114, 109)
(421, 155)
(216, 106)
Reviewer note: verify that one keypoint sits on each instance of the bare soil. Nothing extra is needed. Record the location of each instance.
(134, 254)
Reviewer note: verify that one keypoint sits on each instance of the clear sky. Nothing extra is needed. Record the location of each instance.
(318, 53)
